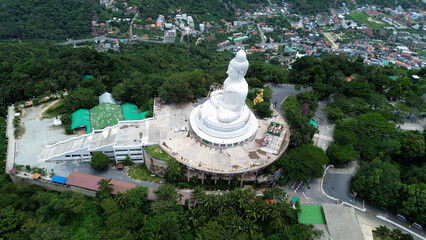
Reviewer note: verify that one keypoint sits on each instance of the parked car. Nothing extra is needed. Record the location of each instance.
(417, 225)
(401, 217)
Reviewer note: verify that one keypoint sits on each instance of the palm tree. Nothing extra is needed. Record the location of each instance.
(251, 211)
(209, 202)
(121, 199)
(198, 194)
(250, 226)
(396, 233)
(381, 231)
(264, 212)
(105, 185)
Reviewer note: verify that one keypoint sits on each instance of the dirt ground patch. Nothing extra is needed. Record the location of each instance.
(253, 155)
(261, 152)
(374, 20)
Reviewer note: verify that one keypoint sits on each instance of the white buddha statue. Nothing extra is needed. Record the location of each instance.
(224, 119)
(230, 101)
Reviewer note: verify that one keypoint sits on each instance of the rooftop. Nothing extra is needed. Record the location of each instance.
(123, 134)
(342, 222)
(106, 97)
(91, 182)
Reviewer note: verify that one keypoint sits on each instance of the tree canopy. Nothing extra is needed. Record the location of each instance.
(304, 162)
(53, 20)
(378, 181)
(99, 161)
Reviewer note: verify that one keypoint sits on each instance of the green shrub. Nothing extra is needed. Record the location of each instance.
(99, 161)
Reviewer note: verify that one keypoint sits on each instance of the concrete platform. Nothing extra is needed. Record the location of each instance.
(342, 222)
(198, 156)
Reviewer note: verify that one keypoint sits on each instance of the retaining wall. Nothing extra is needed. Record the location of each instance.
(155, 165)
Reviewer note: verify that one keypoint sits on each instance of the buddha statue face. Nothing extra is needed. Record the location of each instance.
(238, 66)
(232, 73)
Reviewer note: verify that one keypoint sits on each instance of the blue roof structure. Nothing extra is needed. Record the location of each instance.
(58, 179)
(314, 123)
(241, 38)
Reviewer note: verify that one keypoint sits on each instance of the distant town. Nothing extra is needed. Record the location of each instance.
(381, 36)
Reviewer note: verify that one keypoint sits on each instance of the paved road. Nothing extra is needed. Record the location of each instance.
(309, 194)
(326, 128)
(281, 91)
(337, 184)
(104, 38)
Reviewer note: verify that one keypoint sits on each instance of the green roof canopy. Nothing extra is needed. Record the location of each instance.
(80, 118)
(86, 77)
(313, 122)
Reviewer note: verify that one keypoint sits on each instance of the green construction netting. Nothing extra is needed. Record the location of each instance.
(143, 115)
(80, 118)
(105, 114)
(130, 112)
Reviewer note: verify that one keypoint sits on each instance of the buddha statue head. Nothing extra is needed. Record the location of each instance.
(238, 66)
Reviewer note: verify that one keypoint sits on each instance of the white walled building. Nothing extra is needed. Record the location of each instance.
(117, 142)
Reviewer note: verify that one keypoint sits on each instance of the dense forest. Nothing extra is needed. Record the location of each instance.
(59, 20)
(366, 105)
(30, 212)
(52, 20)
(136, 74)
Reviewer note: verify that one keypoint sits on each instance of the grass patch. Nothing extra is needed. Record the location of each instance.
(157, 152)
(363, 18)
(311, 214)
(56, 109)
(141, 172)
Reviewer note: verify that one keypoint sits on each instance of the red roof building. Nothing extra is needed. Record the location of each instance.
(90, 182)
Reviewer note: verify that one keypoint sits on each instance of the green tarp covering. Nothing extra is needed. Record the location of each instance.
(130, 112)
(80, 118)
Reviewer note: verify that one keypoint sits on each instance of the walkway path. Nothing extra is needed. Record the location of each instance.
(325, 128)
(262, 36)
(131, 24)
(10, 157)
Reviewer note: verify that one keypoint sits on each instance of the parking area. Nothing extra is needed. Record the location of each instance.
(38, 132)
